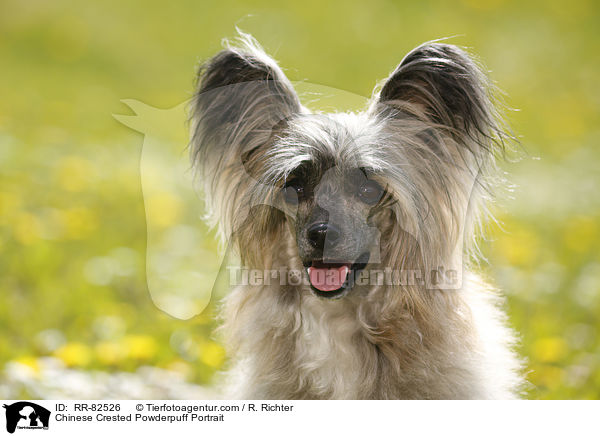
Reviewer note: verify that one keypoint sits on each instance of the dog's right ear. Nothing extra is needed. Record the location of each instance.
(242, 99)
(241, 104)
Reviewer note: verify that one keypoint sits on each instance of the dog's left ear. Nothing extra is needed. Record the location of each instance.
(444, 86)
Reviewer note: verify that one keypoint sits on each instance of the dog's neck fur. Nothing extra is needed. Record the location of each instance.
(287, 343)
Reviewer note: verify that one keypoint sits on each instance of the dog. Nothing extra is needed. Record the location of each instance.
(328, 200)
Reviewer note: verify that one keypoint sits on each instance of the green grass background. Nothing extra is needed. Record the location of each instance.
(72, 218)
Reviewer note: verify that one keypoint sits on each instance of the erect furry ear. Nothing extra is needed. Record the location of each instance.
(242, 95)
(444, 85)
(241, 100)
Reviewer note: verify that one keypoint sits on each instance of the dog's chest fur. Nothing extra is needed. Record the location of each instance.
(318, 351)
(326, 344)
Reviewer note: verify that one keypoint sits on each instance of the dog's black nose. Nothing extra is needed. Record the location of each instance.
(323, 233)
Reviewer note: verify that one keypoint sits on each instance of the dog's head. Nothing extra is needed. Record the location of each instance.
(399, 184)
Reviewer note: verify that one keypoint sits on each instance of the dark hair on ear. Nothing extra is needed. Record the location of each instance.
(452, 91)
(241, 95)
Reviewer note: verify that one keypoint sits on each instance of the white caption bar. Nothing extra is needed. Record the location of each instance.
(74, 417)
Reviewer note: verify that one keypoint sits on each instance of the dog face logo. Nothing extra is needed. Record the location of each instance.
(26, 415)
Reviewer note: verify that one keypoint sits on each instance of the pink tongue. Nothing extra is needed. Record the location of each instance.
(328, 279)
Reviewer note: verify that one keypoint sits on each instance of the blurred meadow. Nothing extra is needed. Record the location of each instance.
(82, 206)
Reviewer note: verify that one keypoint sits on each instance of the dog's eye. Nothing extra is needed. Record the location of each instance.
(370, 192)
(292, 192)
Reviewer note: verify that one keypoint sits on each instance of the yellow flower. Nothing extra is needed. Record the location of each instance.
(212, 354)
(141, 347)
(74, 354)
(550, 349)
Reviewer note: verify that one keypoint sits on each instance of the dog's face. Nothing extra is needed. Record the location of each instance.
(333, 224)
(334, 191)
(403, 169)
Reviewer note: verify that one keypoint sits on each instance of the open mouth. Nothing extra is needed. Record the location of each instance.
(334, 279)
